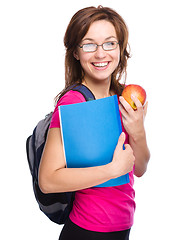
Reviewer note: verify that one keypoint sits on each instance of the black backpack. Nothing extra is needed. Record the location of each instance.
(56, 206)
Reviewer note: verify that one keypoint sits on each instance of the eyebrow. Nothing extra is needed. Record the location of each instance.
(90, 39)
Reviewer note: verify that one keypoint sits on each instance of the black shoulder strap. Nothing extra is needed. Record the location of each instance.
(88, 95)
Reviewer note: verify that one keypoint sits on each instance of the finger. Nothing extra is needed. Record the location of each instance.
(145, 108)
(128, 147)
(136, 101)
(121, 141)
(123, 111)
(126, 105)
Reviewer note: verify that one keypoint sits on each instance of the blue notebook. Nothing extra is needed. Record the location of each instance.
(90, 132)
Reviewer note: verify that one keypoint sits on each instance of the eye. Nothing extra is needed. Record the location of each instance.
(89, 47)
(110, 45)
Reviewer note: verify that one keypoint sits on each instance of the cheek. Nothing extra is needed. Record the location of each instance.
(118, 55)
(84, 59)
(117, 58)
(84, 63)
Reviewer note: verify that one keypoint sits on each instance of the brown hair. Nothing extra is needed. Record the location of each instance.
(77, 29)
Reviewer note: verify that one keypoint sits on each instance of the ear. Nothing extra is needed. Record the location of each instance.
(75, 54)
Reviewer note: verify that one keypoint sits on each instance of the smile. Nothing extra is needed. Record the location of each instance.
(100, 64)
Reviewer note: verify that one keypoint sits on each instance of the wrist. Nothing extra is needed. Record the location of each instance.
(139, 136)
(113, 169)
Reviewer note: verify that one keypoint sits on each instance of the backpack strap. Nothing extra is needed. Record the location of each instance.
(85, 91)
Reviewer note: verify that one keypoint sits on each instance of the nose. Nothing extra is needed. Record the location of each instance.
(100, 52)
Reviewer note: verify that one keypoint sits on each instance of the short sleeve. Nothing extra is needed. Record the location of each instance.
(70, 97)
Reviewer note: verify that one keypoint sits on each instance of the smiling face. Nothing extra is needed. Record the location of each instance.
(99, 65)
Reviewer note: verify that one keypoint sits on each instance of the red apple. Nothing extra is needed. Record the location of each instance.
(137, 91)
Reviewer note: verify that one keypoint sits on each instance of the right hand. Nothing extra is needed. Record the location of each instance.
(123, 160)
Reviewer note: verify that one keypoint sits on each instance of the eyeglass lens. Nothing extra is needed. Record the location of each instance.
(91, 47)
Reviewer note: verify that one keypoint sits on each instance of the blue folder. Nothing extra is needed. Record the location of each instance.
(90, 132)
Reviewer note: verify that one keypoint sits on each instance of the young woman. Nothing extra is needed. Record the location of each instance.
(96, 44)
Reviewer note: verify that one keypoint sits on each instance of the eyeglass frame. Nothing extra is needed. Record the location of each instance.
(98, 45)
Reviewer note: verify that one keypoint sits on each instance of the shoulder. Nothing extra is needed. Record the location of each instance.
(71, 97)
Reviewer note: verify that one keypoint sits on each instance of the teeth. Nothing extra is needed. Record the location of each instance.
(100, 64)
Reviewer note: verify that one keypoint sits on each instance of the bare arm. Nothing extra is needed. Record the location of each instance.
(134, 124)
(55, 177)
(141, 152)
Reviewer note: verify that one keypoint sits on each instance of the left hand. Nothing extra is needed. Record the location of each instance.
(133, 121)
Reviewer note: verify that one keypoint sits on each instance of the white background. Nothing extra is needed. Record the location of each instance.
(32, 74)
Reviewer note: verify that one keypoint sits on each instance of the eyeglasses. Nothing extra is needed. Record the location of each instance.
(92, 47)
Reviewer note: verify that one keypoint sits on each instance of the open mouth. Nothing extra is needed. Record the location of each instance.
(100, 64)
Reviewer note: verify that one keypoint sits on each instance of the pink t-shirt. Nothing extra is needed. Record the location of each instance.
(105, 209)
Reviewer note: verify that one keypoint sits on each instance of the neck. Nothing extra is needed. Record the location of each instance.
(99, 89)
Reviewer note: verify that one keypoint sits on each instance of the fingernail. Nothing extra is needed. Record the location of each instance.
(122, 134)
